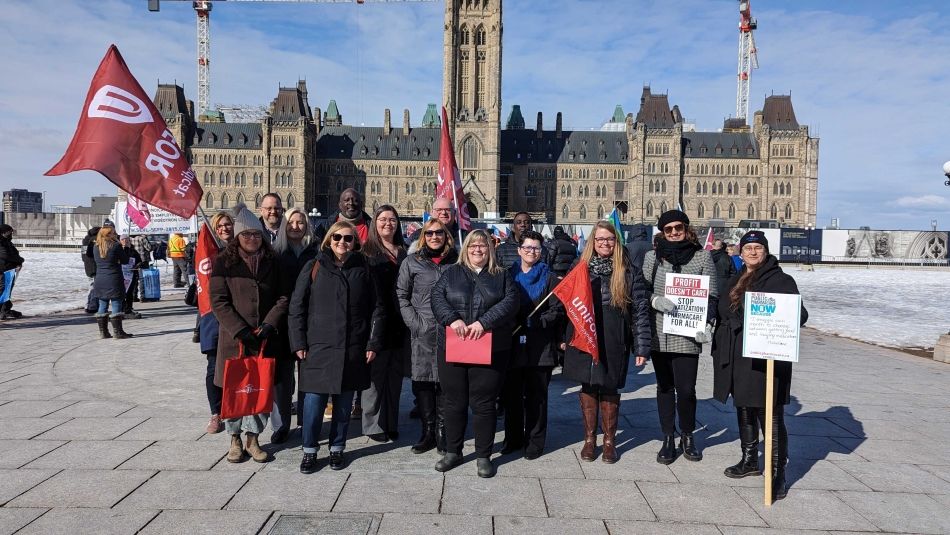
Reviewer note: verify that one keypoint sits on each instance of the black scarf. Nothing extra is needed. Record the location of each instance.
(601, 266)
(677, 253)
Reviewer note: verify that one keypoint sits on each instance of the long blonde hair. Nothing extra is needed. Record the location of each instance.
(619, 293)
(480, 235)
(281, 244)
(105, 239)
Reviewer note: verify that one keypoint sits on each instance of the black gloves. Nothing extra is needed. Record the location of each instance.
(265, 331)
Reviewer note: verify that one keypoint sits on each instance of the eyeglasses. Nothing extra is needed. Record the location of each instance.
(390, 220)
(431, 233)
(272, 209)
(250, 235)
(347, 238)
(608, 239)
(532, 249)
(440, 210)
(749, 248)
(670, 229)
(224, 225)
(478, 246)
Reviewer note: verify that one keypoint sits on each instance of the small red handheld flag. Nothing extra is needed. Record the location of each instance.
(449, 183)
(575, 292)
(122, 135)
(205, 252)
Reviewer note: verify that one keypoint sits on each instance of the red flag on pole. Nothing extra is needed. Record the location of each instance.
(575, 292)
(709, 240)
(123, 136)
(449, 180)
(205, 252)
(138, 212)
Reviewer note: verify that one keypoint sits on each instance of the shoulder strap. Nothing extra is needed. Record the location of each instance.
(314, 269)
(656, 265)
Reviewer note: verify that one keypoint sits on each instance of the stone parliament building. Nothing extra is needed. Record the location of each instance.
(644, 163)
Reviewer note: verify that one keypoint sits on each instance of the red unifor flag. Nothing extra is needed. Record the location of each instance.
(138, 212)
(123, 136)
(575, 292)
(450, 181)
(205, 252)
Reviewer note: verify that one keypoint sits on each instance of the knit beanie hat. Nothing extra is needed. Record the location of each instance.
(244, 220)
(754, 236)
(671, 216)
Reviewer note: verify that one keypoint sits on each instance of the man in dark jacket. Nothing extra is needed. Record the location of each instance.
(507, 252)
(350, 209)
(135, 259)
(92, 303)
(442, 210)
(725, 269)
(9, 259)
(144, 248)
(271, 212)
(561, 250)
(640, 243)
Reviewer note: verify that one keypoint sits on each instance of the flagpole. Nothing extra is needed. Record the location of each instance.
(518, 328)
(217, 241)
(458, 212)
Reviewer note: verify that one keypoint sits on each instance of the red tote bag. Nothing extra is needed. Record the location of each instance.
(248, 385)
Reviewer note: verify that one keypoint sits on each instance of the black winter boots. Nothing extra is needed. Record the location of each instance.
(103, 322)
(749, 442)
(117, 327)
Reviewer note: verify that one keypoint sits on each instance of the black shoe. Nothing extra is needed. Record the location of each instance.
(668, 452)
(485, 467)
(688, 446)
(426, 441)
(337, 461)
(393, 435)
(90, 311)
(779, 488)
(747, 466)
(14, 314)
(448, 462)
(279, 436)
(309, 463)
(532, 454)
(378, 437)
(508, 449)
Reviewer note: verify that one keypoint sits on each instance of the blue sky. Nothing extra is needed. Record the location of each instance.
(869, 77)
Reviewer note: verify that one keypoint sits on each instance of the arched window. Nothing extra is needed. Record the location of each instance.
(600, 211)
(586, 191)
(716, 210)
(773, 212)
(699, 188)
(568, 190)
(239, 199)
(290, 200)
(649, 208)
(705, 190)
(227, 180)
(480, 36)
(209, 201)
(663, 187)
(732, 211)
(701, 211)
(564, 211)
(464, 38)
(651, 186)
(788, 211)
(750, 212)
(257, 200)
(583, 212)
(755, 189)
(788, 188)
(290, 180)
(470, 154)
(664, 207)
(207, 182)
(225, 201)
(775, 189)
(730, 189)
(409, 207)
(748, 189)
(685, 188)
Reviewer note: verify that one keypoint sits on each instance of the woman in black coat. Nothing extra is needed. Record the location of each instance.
(619, 293)
(533, 355)
(472, 298)
(744, 378)
(336, 324)
(108, 285)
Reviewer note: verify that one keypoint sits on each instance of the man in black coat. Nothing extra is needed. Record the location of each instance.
(640, 243)
(271, 215)
(507, 252)
(92, 302)
(442, 210)
(561, 251)
(349, 209)
(9, 259)
(725, 268)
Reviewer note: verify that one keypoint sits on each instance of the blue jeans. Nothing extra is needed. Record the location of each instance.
(313, 407)
(104, 307)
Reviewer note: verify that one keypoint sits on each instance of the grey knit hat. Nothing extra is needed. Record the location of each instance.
(245, 220)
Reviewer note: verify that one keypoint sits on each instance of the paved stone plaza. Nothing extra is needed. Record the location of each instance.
(107, 436)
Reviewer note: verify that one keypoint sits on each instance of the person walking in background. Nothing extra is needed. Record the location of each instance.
(176, 251)
(386, 250)
(435, 253)
(134, 260)
(9, 259)
(725, 269)
(249, 299)
(142, 244)
(733, 251)
(108, 285)
(639, 245)
(222, 224)
(271, 216)
(744, 378)
(336, 327)
(675, 357)
(295, 247)
(473, 297)
(508, 252)
(89, 264)
(533, 355)
(562, 251)
(619, 296)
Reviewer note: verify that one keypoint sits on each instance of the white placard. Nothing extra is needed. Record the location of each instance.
(162, 222)
(690, 294)
(772, 326)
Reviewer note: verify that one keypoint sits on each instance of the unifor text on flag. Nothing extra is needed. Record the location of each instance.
(575, 293)
(122, 135)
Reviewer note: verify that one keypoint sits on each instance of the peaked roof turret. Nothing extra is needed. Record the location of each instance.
(619, 115)
(778, 113)
(515, 119)
(332, 116)
(655, 110)
(170, 100)
(431, 118)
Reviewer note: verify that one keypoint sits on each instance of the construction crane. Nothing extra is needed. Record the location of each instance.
(203, 11)
(748, 59)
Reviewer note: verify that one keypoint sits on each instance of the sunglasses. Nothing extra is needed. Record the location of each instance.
(670, 229)
(431, 233)
(347, 238)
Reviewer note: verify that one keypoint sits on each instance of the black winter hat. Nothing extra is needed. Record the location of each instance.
(4, 228)
(671, 216)
(754, 236)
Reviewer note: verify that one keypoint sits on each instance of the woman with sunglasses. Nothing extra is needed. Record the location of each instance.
(434, 253)
(473, 297)
(336, 323)
(386, 249)
(534, 351)
(676, 357)
(249, 299)
(623, 328)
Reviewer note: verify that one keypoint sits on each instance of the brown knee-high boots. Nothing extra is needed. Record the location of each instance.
(609, 408)
(589, 415)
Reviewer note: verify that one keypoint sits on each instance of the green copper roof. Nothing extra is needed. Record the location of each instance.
(619, 115)
(431, 118)
(332, 111)
(515, 119)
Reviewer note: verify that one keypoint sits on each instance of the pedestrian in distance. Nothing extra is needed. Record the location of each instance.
(744, 378)
(534, 351)
(725, 269)
(434, 253)
(89, 264)
(473, 297)
(623, 328)
(562, 251)
(108, 285)
(142, 244)
(176, 251)
(385, 251)
(249, 299)
(676, 357)
(336, 327)
(9, 259)
(135, 261)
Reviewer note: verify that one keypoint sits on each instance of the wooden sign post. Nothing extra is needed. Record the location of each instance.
(769, 406)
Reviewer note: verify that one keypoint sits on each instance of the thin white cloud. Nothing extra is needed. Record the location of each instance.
(924, 202)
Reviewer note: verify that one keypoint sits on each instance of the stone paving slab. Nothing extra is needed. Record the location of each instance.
(597, 499)
(629, 527)
(811, 509)
(20, 452)
(269, 491)
(294, 522)
(419, 524)
(68, 521)
(517, 525)
(186, 490)
(704, 504)
(893, 477)
(13, 519)
(892, 511)
(31, 393)
(16, 482)
(89, 454)
(17, 409)
(174, 455)
(206, 522)
(472, 495)
(83, 488)
(95, 428)
(28, 427)
(391, 493)
(632, 466)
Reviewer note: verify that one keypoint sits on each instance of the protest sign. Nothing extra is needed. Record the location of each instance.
(161, 222)
(690, 294)
(772, 326)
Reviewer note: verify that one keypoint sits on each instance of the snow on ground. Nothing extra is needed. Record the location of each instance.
(893, 307)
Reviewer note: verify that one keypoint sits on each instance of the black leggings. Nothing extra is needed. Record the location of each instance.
(467, 387)
(214, 392)
(676, 390)
(525, 398)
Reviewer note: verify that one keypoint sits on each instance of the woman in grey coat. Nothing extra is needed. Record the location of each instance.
(675, 357)
(434, 253)
(108, 285)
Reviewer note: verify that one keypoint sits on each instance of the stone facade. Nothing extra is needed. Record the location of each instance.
(644, 164)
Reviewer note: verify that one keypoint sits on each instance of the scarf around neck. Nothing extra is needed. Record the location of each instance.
(601, 266)
(531, 285)
(677, 253)
(252, 260)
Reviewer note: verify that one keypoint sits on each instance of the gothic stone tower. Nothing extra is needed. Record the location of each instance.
(471, 93)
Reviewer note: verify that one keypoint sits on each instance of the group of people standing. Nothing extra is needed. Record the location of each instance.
(353, 307)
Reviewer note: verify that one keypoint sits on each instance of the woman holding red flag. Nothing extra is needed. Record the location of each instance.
(621, 312)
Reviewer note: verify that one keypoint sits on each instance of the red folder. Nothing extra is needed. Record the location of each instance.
(467, 351)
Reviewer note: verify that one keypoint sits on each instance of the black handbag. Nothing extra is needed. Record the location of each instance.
(191, 295)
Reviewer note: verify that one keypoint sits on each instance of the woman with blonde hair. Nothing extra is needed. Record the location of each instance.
(474, 297)
(434, 254)
(621, 311)
(108, 285)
